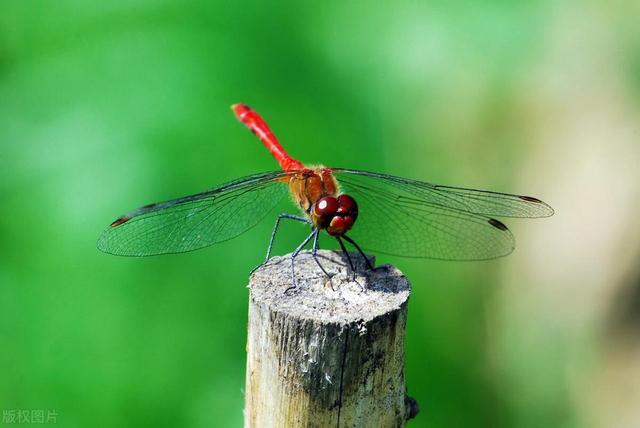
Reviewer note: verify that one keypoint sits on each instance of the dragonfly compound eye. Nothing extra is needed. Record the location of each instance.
(347, 206)
(341, 217)
(326, 208)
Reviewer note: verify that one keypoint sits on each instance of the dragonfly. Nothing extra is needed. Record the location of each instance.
(368, 210)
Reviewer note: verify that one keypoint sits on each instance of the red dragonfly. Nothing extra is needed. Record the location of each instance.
(395, 216)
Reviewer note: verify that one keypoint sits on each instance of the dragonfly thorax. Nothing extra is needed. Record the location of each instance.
(336, 215)
(309, 185)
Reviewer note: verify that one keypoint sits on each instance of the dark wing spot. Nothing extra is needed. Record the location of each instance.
(530, 199)
(121, 220)
(149, 206)
(497, 224)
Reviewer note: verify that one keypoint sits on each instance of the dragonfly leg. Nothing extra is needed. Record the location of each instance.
(352, 242)
(346, 253)
(273, 235)
(314, 253)
(293, 257)
(275, 229)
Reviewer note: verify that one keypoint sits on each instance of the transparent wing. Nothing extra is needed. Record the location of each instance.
(195, 221)
(417, 219)
(473, 201)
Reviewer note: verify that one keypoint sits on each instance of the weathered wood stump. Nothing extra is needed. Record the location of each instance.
(329, 353)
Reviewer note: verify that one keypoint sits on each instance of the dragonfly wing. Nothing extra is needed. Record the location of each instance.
(473, 201)
(417, 219)
(195, 221)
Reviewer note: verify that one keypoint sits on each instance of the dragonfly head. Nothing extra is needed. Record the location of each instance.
(336, 215)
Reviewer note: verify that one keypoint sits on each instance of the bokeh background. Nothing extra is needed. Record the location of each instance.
(105, 106)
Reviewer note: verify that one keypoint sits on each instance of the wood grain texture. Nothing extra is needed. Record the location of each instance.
(329, 353)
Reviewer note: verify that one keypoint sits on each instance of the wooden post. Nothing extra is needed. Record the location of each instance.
(320, 356)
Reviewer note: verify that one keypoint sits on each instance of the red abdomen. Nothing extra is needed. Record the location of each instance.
(259, 127)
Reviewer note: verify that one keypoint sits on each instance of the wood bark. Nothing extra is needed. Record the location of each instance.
(330, 352)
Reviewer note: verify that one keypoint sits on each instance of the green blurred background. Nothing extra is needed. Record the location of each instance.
(105, 106)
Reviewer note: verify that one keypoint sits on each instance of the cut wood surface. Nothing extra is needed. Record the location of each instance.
(328, 353)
